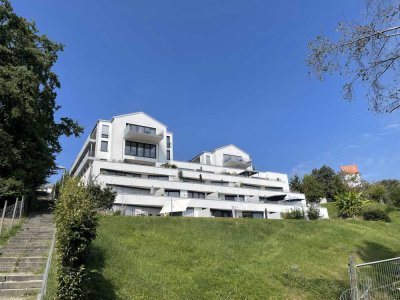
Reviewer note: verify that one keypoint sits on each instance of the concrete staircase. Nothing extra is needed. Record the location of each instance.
(23, 259)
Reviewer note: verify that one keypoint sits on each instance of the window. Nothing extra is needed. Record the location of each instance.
(130, 190)
(208, 160)
(105, 131)
(104, 146)
(221, 213)
(158, 177)
(168, 141)
(140, 149)
(118, 173)
(172, 193)
(168, 155)
(197, 195)
(141, 129)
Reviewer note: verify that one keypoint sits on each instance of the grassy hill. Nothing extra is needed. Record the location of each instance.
(193, 258)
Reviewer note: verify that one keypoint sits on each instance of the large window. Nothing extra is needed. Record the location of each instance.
(104, 146)
(140, 149)
(196, 195)
(141, 129)
(168, 155)
(221, 213)
(172, 193)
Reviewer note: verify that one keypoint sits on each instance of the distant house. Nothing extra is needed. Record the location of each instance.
(351, 175)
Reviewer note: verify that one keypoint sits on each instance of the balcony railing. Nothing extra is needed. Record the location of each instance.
(143, 134)
(236, 161)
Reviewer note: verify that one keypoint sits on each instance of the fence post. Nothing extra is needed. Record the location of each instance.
(2, 216)
(13, 216)
(353, 278)
(21, 208)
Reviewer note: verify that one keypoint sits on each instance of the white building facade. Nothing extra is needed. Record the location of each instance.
(134, 155)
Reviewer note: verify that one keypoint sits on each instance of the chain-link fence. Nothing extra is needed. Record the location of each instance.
(374, 280)
(11, 215)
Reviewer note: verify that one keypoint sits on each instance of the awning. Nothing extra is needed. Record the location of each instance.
(248, 173)
(175, 206)
(277, 197)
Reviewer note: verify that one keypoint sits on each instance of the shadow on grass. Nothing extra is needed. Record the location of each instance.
(99, 287)
(372, 251)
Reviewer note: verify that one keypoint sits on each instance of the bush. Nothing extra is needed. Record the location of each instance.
(296, 213)
(374, 213)
(313, 213)
(76, 223)
(349, 204)
(103, 198)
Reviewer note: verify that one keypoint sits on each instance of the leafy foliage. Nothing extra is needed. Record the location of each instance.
(330, 181)
(29, 135)
(76, 223)
(375, 213)
(313, 213)
(365, 53)
(296, 213)
(349, 204)
(313, 189)
(296, 184)
(103, 197)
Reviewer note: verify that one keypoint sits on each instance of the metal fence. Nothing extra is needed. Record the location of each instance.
(374, 280)
(11, 215)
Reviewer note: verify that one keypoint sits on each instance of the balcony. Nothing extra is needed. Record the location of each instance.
(143, 134)
(233, 161)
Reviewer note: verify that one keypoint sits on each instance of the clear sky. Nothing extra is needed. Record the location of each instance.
(216, 72)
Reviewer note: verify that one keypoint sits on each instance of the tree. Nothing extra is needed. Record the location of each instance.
(329, 180)
(29, 133)
(312, 188)
(295, 184)
(349, 204)
(377, 192)
(394, 196)
(366, 53)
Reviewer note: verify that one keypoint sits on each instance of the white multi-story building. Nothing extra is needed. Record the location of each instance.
(134, 155)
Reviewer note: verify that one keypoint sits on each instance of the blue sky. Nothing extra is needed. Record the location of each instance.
(216, 72)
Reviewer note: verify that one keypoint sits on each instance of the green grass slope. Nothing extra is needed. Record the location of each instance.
(193, 258)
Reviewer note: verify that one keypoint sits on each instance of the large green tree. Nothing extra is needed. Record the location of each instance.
(29, 132)
(366, 53)
(330, 181)
(313, 189)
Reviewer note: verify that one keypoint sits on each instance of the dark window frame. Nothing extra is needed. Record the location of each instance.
(140, 149)
(101, 146)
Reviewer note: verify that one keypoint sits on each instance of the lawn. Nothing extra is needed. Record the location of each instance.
(194, 258)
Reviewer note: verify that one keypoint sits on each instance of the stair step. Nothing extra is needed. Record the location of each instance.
(20, 277)
(21, 284)
(19, 292)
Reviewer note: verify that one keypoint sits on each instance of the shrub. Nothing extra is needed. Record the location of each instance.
(313, 213)
(296, 213)
(375, 213)
(349, 204)
(76, 223)
(103, 197)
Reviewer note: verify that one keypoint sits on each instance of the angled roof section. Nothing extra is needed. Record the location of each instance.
(141, 113)
(350, 169)
(230, 146)
(222, 147)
